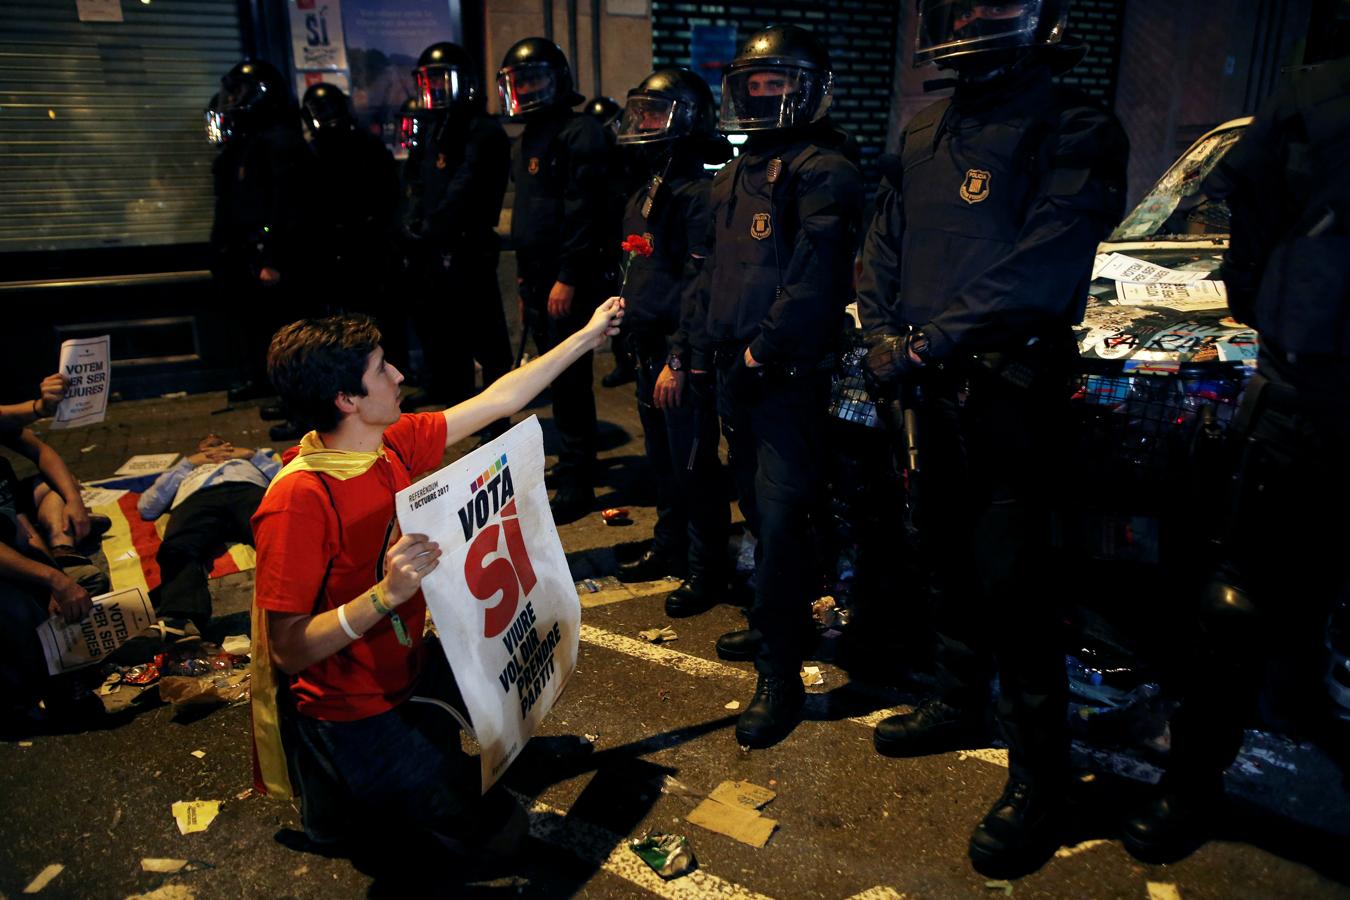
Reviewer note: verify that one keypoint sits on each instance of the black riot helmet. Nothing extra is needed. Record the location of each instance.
(217, 133)
(978, 35)
(605, 110)
(445, 77)
(325, 111)
(781, 78)
(252, 93)
(535, 76)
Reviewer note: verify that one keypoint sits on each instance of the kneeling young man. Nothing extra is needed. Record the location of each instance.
(340, 589)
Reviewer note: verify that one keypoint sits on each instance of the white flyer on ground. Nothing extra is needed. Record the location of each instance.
(84, 362)
(99, 496)
(114, 618)
(1119, 267)
(146, 463)
(1196, 295)
(502, 597)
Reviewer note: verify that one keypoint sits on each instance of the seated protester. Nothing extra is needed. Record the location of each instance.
(212, 495)
(338, 604)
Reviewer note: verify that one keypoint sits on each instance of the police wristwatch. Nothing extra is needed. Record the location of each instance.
(918, 345)
(675, 363)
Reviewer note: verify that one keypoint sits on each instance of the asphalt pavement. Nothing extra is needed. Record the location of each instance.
(642, 735)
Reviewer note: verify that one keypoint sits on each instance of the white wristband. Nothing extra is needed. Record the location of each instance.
(346, 626)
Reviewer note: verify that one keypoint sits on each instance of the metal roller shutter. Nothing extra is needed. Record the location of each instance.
(101, 137)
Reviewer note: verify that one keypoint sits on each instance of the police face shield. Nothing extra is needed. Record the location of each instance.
(647, 120)
(951, 29)
(216, 130)
(440, 87)
(240, 95)
(772, 97)
(526, 88)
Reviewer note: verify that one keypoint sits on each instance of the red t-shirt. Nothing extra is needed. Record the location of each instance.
(301, 534)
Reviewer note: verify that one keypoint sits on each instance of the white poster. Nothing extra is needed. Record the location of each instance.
(84, 362)
(316, 35)
(1119, 267)
(145, 463)
(1196, 295)
(502, 597)
(114, 618)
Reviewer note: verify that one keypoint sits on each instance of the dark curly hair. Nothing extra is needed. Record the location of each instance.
(311, 361)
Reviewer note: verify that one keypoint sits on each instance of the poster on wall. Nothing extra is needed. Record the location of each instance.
(316, 35)
(338, 79)
(384, 39)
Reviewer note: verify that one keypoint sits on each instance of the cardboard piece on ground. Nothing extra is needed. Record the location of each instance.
(742, 794)
(744, 825)
(150, 864)
(195, 815)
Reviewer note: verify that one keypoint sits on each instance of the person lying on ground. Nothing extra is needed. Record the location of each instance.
(210, 495)
(338, 606)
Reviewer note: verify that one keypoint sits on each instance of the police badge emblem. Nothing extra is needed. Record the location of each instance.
(533, 167)
(976, 186)
(761, 226)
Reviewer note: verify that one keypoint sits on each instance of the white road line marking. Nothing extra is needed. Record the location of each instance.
(1066, 852)
(880, 892)
(610, 852)
(995, 756)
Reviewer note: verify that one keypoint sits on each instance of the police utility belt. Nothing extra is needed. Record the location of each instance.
(726, 356)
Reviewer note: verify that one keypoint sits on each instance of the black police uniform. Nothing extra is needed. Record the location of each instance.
(1288, 274)
(263, 185)
(557, 227)
(779, 273)
(692, 515)
(358, 205)
(457, 177)
(983, 238)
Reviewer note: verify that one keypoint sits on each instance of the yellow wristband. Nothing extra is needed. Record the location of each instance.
(378, 602)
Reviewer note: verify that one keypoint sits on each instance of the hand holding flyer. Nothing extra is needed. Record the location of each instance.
(85, 365)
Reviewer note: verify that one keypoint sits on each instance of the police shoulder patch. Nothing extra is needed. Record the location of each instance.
(975, 187)
(761, 226)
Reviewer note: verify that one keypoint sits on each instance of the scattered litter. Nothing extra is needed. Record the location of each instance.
(616, 515)
(676, 788)
(659, 635)
(663, 695)
(25, 743)
(1001, 885)
(87, 449)
(244, 794)
(1162, 890)
(44, 878)
(200, 754)
(773, 782)
(668, 854)
(743, 794)
(195, 815)
(181, 690)
(237, 645)
(591, 738)
(162, 865)
(173, 395)
(106, 689)
(811, 676)
(734, 704)
(142, 674)
(591, 585)
(170, 891)
(737, 822)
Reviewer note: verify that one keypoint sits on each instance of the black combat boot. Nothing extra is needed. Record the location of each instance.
(932, 727)
(739, 646)
(1175, 822)
(1020, 831)
(773, 712)
(695, 595)
(652, 565)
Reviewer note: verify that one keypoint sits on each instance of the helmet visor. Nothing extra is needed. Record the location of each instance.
(440, 87)
(647, 120)
(526, 87)
(768, 97)
(949, 28)
(215, 126)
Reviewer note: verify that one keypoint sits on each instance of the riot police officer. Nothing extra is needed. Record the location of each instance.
(1288, 274)
(784, 220)
(456, 178)
(974, 268)
(358, 200)
(624, 178)
(669, 127)
(557, 226)
(260, 230)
